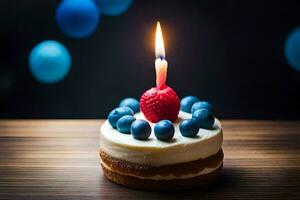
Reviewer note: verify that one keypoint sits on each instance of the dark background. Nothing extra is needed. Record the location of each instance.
(228, 52)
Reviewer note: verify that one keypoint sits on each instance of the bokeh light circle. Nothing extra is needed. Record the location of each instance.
(113, 7)
(292, 49)
(77, 18)
(49, 62)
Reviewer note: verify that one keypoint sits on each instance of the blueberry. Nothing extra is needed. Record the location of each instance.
(117, 113)
(140, 129)
(187, 102)
(131, 103)
(164, 130)
(202, 104)
(124, 123)
(189, 128)
(204, 118)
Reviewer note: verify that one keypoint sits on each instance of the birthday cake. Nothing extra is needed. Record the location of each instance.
(160, 142)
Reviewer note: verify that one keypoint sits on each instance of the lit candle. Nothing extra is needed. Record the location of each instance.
(160, 102)
(161, 65)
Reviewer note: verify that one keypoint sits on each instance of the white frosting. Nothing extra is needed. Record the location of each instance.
(206, 170)
(157, 153)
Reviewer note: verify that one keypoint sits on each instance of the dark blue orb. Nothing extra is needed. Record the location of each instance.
(113, 7)
(204, 118)
(140, 129)
(117, 113)
(187, 102)
(132, 103)
(292, 49)
(189, 128)
(164, 130)
(77, 18)
(202, 104)
(124, 123)
(49, 62)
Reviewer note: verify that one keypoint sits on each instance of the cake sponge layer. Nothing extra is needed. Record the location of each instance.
(166, 172)
(174, 184)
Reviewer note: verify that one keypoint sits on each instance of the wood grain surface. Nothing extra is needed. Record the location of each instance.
(58, 159)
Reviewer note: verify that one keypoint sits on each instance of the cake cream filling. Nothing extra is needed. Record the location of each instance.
(206, 170)
(157, 153)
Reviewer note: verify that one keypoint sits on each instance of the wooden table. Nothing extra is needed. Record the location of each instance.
(58, 159)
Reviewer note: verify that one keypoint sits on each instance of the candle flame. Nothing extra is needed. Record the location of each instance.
(159, 43)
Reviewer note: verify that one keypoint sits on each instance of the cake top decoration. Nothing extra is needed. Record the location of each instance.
(160, 107)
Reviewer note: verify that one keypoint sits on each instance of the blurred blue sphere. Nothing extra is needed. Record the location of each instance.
(77, 18)
(292, 49)
(113, 7)
(49, 61)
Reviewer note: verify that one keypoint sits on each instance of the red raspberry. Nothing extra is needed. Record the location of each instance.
(159, 104)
